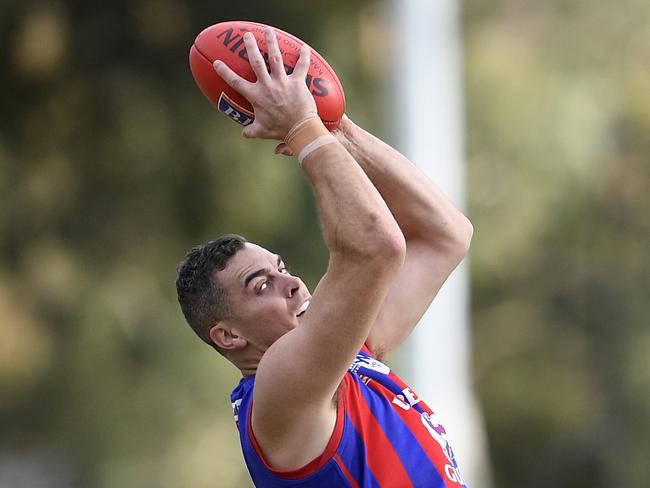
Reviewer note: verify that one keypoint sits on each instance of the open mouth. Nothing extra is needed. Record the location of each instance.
(303, 308)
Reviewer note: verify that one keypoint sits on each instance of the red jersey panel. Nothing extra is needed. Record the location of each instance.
(385, 437)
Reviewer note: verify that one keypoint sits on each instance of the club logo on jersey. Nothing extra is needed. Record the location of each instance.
(438, 432)
(363, 362)
(230, 109)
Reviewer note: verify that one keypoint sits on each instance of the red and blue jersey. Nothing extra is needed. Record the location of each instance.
(384, 437)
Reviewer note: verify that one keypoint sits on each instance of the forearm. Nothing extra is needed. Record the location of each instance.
(355, 219)
(419, 207)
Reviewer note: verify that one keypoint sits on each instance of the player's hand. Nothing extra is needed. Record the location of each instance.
(279, 100)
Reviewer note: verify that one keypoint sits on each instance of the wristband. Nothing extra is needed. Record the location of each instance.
(315, 144)
(303, 133)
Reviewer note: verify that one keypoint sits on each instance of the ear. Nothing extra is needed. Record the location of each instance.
(226, 338)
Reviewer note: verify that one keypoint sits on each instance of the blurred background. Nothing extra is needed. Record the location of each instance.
(112, 164)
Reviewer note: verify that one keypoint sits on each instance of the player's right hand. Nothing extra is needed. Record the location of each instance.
(279, 100)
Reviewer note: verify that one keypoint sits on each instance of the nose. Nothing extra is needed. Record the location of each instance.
(292, 285)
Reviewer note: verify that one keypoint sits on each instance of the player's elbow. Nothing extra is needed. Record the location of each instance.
(379, 245)
(464, 235)
(392, 246)
(458, 240)
(387, 247)
(455, 242)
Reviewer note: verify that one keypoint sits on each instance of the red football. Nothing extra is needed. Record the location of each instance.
(225, 41)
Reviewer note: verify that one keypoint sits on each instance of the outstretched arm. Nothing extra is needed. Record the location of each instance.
(437, 234)
(297, 377)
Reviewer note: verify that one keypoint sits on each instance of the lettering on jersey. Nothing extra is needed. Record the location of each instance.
(366, 362)
(438, 432)
(235, 112)
(235, 409)
(454, 474)
(406, 399)
(364, 379)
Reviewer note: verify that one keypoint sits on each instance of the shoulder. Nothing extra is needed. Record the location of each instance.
(311, 434)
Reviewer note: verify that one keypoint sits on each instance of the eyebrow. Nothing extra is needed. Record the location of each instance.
(259, 272)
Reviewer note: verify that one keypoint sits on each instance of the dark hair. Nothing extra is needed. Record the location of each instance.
(202, 298)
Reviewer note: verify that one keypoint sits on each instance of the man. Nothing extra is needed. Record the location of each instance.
(316, 406)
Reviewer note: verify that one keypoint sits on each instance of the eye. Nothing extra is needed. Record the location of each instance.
(262, 286)
(284, 270)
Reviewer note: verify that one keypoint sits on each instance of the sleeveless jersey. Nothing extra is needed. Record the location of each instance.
(384, 437)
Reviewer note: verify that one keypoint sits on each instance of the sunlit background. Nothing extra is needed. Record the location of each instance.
(112, 164)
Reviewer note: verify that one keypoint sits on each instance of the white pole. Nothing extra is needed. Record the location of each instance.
(428, 114)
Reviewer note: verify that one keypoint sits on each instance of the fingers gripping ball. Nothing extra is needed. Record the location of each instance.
(225, 42)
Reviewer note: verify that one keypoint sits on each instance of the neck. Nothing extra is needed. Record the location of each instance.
(246, 372)
(246, 363)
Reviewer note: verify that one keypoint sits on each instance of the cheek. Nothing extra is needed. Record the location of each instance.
(269, 308)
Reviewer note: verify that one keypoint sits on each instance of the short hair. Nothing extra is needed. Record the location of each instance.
(203, 299)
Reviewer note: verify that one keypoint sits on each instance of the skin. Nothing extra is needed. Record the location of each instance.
(393, 239)
(260, 291)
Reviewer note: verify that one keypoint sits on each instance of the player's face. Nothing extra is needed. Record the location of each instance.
(266, 301)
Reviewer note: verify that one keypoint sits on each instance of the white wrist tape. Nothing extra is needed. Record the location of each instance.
(315, 144)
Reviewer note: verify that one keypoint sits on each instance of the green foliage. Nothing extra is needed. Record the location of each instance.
(558, 109)
(112, 165)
